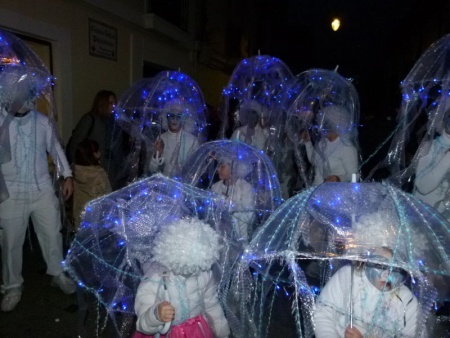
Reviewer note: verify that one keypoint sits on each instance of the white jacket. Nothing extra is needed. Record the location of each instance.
(432, 183)
(259, 138)
(32, 138)
(332, 158)
(384, 314)
(190, 296)
(241, 204)
(177, 148)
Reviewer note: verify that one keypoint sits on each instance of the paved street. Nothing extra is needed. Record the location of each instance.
(44, 311)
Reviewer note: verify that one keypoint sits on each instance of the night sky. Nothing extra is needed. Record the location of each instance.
(377, 45)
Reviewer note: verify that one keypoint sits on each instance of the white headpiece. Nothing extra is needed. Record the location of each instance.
(338, 118)
(375, 230)
(186, 247)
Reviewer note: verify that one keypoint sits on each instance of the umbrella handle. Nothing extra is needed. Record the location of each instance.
(351, 296)
(166, 326)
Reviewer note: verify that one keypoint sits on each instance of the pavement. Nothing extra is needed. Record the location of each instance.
(44, 311)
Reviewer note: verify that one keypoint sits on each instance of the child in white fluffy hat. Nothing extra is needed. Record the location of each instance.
(178, 295)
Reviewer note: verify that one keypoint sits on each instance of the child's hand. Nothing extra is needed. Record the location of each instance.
(166, 312)
(352, 332)
(305, 136)
(332, 178)
(159, 146)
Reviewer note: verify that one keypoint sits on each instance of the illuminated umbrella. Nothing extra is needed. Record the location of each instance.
(118, 231)
(142, 111)
(304, 98)
(425, 95)
(320, 230)
(259, 78)
(22, 75)
(249, 166)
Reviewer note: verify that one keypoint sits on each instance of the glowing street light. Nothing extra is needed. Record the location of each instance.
(335, 24)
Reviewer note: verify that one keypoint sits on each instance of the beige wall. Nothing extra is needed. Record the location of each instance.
(79, 76)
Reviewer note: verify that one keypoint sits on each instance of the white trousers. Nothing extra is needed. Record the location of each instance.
(43, 208)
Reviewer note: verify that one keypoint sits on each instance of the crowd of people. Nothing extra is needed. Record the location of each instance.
(324, 150)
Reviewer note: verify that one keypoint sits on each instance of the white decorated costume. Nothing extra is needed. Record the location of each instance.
(397, 310)
(332, 158)
(240, 199)
(432, 183)
(177, 148)
(180, 273)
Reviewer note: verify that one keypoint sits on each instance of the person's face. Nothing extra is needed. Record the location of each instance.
(384, 277)
(174, 121)
(30, 104)
(224, 171)
(253, 119)
(264, 122)
(23, 105)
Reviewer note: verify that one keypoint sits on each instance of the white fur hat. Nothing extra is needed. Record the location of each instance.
(337, 118)
(375, 230)
(248, 106)
(186, 246)
(179, 106)
(239, 169)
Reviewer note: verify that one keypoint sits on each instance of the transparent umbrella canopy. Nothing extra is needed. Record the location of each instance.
(23, 76)
(425, 94)
(342, 225)
(21, 67)
(118, 231)
(259, 78)
(250, 167)
(142, 111)
(303, 101)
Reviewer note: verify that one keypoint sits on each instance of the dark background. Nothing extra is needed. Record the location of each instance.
(376, 46)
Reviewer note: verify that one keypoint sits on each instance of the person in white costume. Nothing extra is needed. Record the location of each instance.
(369, 298)
(432, 182)
(179, 287)
(30, 193)
(238, 193)
(372, 294)
(334, 157)
(255, 131)
(175, 145)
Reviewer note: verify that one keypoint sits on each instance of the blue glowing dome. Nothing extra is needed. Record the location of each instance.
(23, 73)
(310, 94)
(141, 111)
(425, 97)
(259, 78)
(250, 167)
(323, 229)
(117, 235)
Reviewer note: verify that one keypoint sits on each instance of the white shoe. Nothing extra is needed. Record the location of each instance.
(11, 299)
(64, 283)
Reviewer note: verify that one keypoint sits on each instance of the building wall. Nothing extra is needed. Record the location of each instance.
(79, 75)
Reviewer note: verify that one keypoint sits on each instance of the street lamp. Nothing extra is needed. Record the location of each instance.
(335, 24)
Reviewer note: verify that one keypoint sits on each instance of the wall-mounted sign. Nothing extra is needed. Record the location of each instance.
(102, 40)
